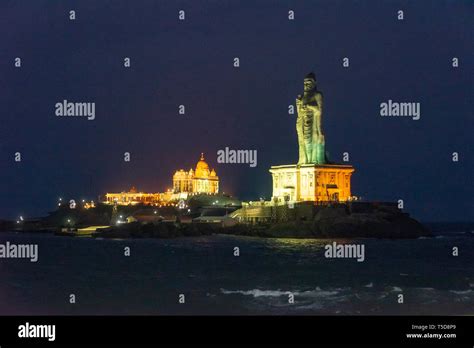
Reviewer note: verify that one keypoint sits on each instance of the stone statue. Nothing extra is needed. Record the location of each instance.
(309, 107)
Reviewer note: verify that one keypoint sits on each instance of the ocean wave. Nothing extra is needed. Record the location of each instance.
(317, 292)
(310, 306)
(461, 292)
(257, 292)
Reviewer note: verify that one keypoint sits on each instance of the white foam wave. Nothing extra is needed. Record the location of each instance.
(257, 292)
(317, 292)
(461, 292)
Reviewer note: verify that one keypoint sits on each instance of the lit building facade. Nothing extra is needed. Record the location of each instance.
(185, 183)
(311, 182)
(201, 180)
(133, 197)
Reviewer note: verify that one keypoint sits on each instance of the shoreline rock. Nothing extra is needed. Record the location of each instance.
(371, 220)
(322, 227)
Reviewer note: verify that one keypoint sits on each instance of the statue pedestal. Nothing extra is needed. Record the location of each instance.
(311, 182)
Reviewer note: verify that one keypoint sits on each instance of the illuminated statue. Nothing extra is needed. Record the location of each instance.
(313, 179)
(308, 124)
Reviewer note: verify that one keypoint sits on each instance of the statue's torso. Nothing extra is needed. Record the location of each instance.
(308, 115)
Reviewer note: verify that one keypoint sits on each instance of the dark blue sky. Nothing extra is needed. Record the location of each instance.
(191, 63)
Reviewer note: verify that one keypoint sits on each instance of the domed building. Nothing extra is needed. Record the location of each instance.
(201, 180)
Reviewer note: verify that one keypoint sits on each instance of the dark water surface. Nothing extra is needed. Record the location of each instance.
(258, 281)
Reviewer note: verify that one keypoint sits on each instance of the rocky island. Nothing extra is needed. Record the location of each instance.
(329, 222)
(355, 220)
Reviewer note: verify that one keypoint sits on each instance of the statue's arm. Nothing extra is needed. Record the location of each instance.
(319, 100)
(318, 106)
(299, 104)
(319, 109)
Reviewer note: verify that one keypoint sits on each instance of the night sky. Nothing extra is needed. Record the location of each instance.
(191, 62)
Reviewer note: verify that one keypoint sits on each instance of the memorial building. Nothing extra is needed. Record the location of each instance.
(201, 180)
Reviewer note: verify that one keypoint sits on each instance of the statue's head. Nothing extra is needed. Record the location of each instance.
(309, 82)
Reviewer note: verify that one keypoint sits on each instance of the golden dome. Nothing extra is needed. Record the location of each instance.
(202, 168)
(213, 173)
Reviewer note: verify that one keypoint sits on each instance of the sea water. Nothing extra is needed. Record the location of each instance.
(261, 280)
